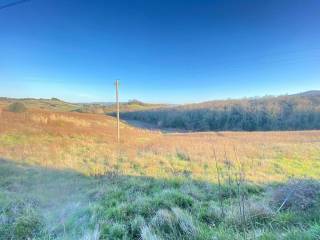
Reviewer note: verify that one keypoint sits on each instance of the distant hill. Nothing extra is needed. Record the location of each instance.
(313, 93)
(55, 104)
(288, 112)
(110, 108)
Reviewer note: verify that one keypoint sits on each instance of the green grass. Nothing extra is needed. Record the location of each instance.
(50, 204)
(13, 139)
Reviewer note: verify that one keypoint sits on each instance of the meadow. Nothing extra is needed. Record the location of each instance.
(64, 176)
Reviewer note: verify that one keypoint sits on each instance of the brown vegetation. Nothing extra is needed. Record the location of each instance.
(87, 143)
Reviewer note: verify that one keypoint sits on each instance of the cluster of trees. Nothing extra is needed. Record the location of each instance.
(294, 112)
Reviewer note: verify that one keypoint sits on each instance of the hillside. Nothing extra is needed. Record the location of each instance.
(58, 105)
(52, 104)
(288, 112)
(102, 108)
(63, 176)
(312, 93)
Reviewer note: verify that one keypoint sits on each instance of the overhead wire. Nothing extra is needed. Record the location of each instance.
(13, 4)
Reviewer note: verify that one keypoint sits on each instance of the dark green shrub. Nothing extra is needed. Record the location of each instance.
(17, 107)
(27, 227)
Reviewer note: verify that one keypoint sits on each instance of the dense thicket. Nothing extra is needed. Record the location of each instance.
(292, 112)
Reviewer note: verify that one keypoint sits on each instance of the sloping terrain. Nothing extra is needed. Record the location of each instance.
(52, 104)
(58, 105)
(64, 176)
(87, 143)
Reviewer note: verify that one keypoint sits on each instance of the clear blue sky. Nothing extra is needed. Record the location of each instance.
(161, 50)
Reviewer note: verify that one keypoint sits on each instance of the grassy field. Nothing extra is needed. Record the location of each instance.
(63, 176)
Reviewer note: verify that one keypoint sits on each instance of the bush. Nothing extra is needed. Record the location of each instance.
(17, 107)
(298, 195)
(27, 227)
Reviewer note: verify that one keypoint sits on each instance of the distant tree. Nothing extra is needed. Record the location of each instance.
(135, 102)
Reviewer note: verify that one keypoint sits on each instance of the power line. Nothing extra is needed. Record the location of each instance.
(13, 4)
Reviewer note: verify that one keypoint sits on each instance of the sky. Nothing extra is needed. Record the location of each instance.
(162, 51)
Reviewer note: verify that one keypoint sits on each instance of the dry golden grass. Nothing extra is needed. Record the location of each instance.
(87, 143)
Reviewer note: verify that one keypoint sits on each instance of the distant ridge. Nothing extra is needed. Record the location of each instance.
(311, 93)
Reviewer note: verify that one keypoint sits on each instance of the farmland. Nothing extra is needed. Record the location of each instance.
(63, 176)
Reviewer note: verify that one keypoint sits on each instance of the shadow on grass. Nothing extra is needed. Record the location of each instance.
(63, 204)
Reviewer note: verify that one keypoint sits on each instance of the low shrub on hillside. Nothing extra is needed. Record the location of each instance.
(17, 107)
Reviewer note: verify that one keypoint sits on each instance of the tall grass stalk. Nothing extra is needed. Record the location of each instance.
(219, 184)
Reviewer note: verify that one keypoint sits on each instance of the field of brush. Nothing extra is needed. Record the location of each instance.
(64, 176)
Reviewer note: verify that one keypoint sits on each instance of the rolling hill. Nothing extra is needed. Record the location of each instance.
(55, 104)
(64, 176)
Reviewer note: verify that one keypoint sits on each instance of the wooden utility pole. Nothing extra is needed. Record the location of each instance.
(118, 109)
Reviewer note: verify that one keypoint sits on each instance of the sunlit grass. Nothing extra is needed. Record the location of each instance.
(65, 177)
(87, 143)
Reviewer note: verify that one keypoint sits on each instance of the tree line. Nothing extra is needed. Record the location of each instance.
(261, 114)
